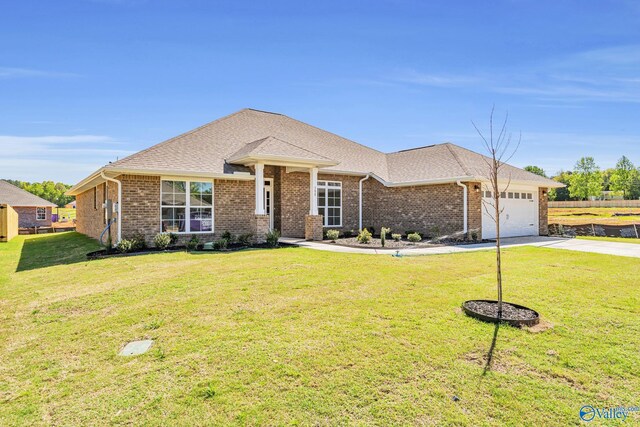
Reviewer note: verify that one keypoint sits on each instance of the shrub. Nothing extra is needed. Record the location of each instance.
(245, 239)
(272, 238)
(414, 237)
(124, 246)
(162, 241)
(138, 241)
(173, 239)
(333, 235)
(474, 236)
(371, 229)
(193, 243)
(349, 233)
(396, 236)
(383, 235)
(364, 236)
(230, 237)
(220, 244)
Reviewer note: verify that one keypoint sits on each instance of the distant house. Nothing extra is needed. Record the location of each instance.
(253, 171)
(32, 210)
(71, 205)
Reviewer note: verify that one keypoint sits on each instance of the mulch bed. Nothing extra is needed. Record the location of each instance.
(352, 242)
(511, 313)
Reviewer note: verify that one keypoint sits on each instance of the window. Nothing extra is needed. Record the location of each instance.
(488, 194)
(330, 203)
(517, 195)
(503, 195)
(510, 195)
(186, 207)
(41, 214)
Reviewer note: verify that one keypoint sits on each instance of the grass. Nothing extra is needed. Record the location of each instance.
(295, 336)
(610, 239)
(604, 216)
(70, 214)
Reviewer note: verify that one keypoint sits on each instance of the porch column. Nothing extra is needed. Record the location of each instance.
(259, 189)
(313, 192)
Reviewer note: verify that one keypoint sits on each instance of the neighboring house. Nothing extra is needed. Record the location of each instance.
(71, 205)
(32, 210)
(253, 171)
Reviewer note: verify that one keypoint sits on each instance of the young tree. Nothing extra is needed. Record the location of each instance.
(561, 194)
(623, 177)
(586, 179)
(500, 152)
(535, 169)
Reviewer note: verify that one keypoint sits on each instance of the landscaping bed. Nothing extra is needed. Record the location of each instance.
(376, 243)
(512, 314)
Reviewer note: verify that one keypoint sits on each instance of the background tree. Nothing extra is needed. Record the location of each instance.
(535, 169)
(561, 194)
(586, 180)
(500, 152)
(48, 190)
(623, 177)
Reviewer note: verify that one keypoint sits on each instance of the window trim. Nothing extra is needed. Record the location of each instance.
(44, 214)
(325, 206)
(187, 205)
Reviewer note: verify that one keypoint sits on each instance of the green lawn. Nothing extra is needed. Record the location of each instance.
(610, 239)
(295, 336)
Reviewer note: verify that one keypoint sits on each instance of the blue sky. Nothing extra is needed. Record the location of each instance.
(85, 82)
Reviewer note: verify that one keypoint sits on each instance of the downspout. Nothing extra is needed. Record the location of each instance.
(464, 207)
(119, 203)
(360, 201)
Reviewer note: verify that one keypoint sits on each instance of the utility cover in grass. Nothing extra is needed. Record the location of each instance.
(135, 348)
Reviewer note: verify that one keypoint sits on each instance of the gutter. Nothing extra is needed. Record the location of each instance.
(360, 201)
(119, 203)
(464, 207)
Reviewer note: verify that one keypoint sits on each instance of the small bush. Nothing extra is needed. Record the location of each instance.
(371, 229)
(124, 246)
(383, 235)
(220, 244)
(245, 239)
(474, 236)
(333, 235)
(349, 233)
(396, 236)
(272, 238)
(193, 243)
(173, 239)
(230, 237)
(364, 236)
(162, 241)
(138, 241)
(414, 237)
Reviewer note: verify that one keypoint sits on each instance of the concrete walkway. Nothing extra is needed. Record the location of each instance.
(601, 247)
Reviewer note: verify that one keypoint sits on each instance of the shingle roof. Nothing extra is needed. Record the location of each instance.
(14, 196)
(209, 148)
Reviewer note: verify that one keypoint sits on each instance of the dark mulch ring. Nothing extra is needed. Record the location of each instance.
(512, 314)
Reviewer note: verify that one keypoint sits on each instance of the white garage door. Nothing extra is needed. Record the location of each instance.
(519, 216)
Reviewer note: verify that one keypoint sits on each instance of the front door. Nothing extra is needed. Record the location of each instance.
(268, 200)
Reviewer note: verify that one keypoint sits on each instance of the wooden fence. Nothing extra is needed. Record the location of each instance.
(596, 204)
(8, 223)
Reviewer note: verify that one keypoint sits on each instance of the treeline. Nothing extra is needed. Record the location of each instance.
(587, 180)
(48, 190)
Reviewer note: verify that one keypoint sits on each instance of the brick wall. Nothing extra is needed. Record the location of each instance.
(27, 217)
(474, 203)
(90, 218)
(543, 212)
(295, 203)
(234, 206)
(428, 209)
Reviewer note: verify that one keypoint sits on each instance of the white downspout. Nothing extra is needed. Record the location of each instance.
(360, 201)
(119, 203)
(464, 207)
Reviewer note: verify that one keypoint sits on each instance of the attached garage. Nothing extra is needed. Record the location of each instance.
(519, 216)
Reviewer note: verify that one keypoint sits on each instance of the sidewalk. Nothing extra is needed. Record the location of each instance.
(607, 248)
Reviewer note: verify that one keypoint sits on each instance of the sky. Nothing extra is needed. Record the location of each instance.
(86, 82)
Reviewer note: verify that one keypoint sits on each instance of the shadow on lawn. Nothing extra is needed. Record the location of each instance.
(54, 249)
(487, 366)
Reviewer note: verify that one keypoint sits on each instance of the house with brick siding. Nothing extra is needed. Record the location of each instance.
(253, 171)
(32, 210)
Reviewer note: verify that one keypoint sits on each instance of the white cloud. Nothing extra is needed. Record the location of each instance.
(55, 139)
(14, 73)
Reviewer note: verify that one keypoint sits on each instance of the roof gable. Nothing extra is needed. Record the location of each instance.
(14, 196)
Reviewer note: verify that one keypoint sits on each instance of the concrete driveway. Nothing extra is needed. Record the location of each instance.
(600, 247)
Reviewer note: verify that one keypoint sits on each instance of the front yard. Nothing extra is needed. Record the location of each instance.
(296, 336)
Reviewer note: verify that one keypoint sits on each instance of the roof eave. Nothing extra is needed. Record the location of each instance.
(282, 161)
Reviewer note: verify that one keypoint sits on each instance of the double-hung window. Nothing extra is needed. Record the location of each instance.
(187, 206)
(330, 202)
(41, 214)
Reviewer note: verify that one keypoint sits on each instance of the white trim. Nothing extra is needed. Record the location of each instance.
(360, 201)
(313, 191)
(281, 160)
(465, 223)
(326, 208)
(187, 206)
(268, 183)
(45, 214)
(259, 167)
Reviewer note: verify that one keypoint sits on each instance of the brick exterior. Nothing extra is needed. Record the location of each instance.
(27, 217)
(428, 209)
(260, 227)
(313, 227)
(543, 211)
(474, 213)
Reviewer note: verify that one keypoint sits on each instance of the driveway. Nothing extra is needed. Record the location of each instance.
(600, 247)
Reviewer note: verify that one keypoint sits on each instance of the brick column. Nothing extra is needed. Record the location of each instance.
(313, 227)
(474, 210)
(261, 227)
(543, 211)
